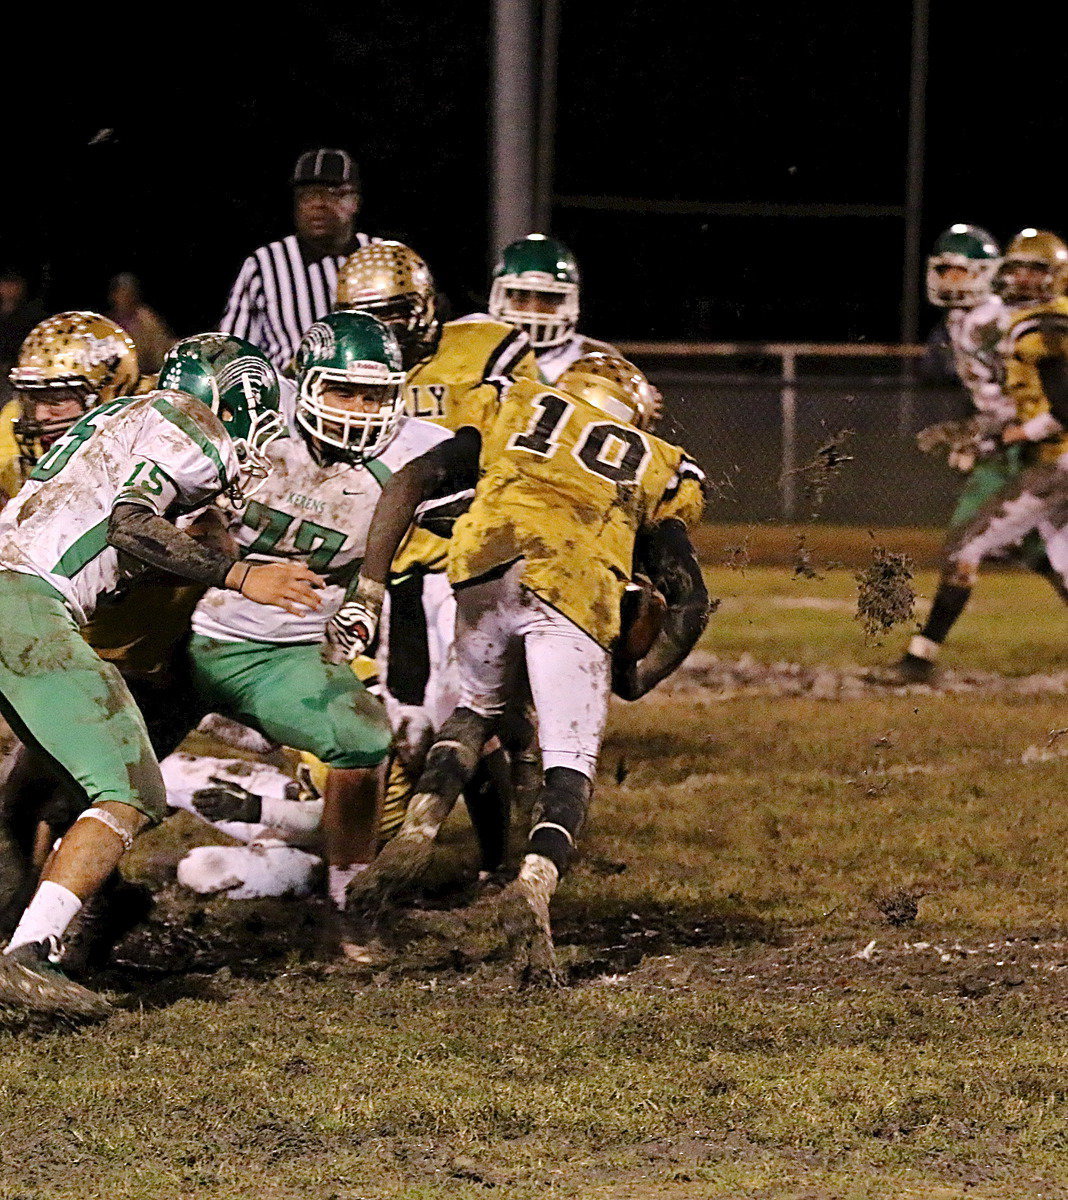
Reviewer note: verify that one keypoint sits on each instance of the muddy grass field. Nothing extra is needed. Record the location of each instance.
(817, 946)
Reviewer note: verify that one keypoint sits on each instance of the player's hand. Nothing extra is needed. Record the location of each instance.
(227, 801)
(349, 632)
(287, 585)
(1013, 433)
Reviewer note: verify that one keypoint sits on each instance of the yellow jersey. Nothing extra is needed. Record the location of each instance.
(459, 385)
(10, 469)
(567, 489)
(1034, 334)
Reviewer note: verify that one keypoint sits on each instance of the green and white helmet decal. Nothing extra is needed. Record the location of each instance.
(961, 267)
(240, 385)
(349, 377)
(536, 287)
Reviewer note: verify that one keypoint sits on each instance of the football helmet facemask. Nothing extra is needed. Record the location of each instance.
(536, 288)
(74, 360)
(616, 386)
(1034, 269)
(391, 282)
(350, 349)
(240, 385)
(961, 267)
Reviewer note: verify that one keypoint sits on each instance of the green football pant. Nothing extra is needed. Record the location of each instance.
(292, 697)
(64, 701)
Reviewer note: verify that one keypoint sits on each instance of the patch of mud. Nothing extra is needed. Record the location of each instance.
(727, 679)
(885, 595)
(1035, 966)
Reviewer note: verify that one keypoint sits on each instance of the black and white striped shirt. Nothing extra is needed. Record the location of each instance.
(278, 295)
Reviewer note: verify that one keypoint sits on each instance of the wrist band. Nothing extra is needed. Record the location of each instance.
(112, 822)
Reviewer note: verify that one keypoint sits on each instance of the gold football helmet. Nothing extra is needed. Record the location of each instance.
(70, 362)
(391, 282)
(1034, 268)
(615, 386)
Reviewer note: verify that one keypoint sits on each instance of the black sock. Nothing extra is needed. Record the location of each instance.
(949, 603)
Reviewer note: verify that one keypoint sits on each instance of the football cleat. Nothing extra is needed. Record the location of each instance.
(32, 984)
(536, 288)
(961, 267)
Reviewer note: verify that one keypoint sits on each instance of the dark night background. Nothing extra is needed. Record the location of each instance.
(737, 102)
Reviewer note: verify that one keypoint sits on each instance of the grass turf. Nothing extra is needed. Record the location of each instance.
(730, 1030)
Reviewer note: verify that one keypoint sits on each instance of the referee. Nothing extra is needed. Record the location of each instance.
(285, 286)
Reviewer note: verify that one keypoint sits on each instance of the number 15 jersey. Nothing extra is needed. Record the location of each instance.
(566, 488)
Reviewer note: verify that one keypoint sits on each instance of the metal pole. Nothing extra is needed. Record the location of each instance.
(788, 405)
(910, 279)
(511, 114)
(545, 163)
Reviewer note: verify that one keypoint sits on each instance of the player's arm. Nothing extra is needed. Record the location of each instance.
(665, 553)
(135, 529)
(447, 470)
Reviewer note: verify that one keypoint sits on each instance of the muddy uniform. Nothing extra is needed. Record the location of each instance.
(541, 560)
(163, 452)
(263, 666)
(1036, 502)
(457, 386)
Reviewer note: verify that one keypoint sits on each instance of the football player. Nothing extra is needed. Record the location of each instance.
(287, 674)
(69, 363)
(568, 481)
(536, 288)
(99, 504)
(1030, 282)
(454, 373)
(1036, 380)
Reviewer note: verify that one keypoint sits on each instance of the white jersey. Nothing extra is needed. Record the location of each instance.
(165, 451)
(975, 336)
(553, 361)
(318, 515)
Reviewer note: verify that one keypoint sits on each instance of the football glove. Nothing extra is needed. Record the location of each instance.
(351, 630)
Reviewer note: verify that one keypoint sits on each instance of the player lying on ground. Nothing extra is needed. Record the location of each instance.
(102, 503)
(568, 482)
(992, 452)
(454, 374)
(288, 675)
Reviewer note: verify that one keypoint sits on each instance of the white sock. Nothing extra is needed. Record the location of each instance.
(48, 914)
(338, 880)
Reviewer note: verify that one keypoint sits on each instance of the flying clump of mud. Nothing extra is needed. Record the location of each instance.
(822, 469)
(885, 595)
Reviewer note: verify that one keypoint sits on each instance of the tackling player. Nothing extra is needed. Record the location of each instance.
(569, 483)
(99, 506)
(286, 674)
(1030, 282)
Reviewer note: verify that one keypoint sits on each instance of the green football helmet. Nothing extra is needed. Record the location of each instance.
(961, 267)
(536, 287)
(349, 350)
(240, 385)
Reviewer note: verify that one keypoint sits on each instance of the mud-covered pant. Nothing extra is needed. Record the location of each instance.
(65, 702)
(1036, 503)
(499, 625)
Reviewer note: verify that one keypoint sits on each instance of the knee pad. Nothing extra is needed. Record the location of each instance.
(559, 815)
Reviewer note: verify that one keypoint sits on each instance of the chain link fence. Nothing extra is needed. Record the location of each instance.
(802, 432)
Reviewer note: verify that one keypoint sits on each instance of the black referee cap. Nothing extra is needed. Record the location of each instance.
(328, 166)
